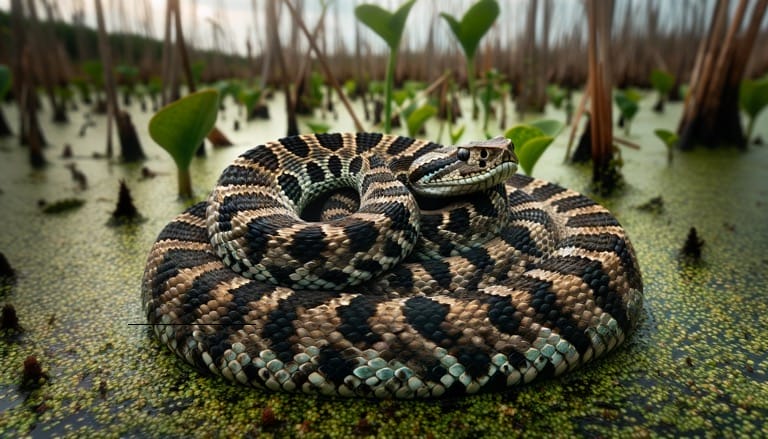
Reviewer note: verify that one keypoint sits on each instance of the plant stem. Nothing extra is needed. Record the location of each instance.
(185, 183)
(471, 85)
(750, 127)
(388, 85)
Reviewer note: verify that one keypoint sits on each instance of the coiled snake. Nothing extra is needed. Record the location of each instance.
(379, 265)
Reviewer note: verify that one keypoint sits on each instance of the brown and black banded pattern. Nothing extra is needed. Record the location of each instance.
(524, 280)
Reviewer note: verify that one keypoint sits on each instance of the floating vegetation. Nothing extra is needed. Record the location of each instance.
(654, 205)
(61, 206)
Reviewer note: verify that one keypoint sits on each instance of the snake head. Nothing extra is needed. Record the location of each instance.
(463, 169)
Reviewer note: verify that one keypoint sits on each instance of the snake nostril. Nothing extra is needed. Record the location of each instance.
(483, 153)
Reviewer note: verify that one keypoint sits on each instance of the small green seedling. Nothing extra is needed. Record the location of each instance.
(416, 119)
(532, 139)
(180, 126)
(753, 98)
(389, 26)
(627, 101)
(249, 97)
(472, 27)
(662, 82)
(670, 139)
(318, 127)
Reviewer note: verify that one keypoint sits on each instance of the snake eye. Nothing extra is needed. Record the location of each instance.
(463, 154)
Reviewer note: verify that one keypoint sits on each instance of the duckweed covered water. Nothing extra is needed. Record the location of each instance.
(696, 365)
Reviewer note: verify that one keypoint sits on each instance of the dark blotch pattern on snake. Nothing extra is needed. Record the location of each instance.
(382, 266)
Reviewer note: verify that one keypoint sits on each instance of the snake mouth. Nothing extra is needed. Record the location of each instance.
(469, 184)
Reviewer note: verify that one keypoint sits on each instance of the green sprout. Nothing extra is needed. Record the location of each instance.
(180, 126)
(670, 139)
(662, 82)
(532, 139)
(416, 118)
(753, 98)
(389, 26)
(627, 101)
(469, 31)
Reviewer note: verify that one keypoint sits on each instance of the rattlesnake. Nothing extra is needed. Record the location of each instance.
(362, 264)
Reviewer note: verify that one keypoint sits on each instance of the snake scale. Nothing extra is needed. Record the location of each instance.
(363, 264)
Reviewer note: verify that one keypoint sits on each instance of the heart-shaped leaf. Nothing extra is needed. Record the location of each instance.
(550, 127)
(530, 143)
(668, 137)
(418, 118)
(389, 26)
(530, 152)
(662, 81)
(753, 96)
(473, 25)
(180, 126)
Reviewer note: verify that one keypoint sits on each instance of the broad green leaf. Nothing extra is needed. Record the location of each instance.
(5, 80)
(399, 96)
(419, 117)
(473, 25)
(180, 126)
(521, 134)
(389, 26)
(531, 151)
(531, 141)
(550, 127)
(318, 127)
(662, 81)
(753, 96)
(626, 104)
(668, 137)
(249, 97)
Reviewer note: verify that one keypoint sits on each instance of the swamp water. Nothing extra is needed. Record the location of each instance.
(696, 366)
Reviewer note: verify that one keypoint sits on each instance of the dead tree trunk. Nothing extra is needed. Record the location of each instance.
(24, 85)
(130, 146)
(711, 115)
(604, 173)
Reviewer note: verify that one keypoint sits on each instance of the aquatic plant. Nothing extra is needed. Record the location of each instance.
(389, 26)
(249, 97)
(670, 139)
(532, 139)
(627, 101)
(753, 98)
(417, 117)
(318, 127)
(472, 27)
(180, 126)
(662, 82)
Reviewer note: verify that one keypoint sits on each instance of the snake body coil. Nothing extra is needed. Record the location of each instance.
(382, 266)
